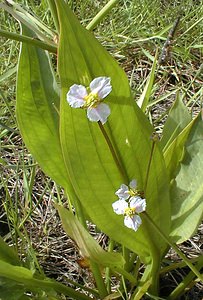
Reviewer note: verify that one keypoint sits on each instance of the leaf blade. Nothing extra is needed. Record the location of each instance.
(187, 190)
(92, 170)
(88, 246)
(37, 118)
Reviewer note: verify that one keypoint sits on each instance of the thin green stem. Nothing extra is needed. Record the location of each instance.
(113, 152)
(166, 239)
(25, 17)
(82, 287)
(8, 106)
(98, 279)
(27, 20)
(108, 270)
(174, 266)
(52, 7)
(149, 164)
(103, 12)
(126, 255)
(32, 209)
(126, 275)
(58, 287)
(149, 279)
(29, 40)
(180, 289)
(137, 267)
(134, 257)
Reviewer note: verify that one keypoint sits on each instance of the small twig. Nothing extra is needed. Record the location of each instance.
(167, 45)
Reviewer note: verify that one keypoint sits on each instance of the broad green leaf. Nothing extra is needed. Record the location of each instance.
(9, 290)
(92, 169)
(36, 110)
(187, 188)
(30, 282)
(175, 151)
(89, 248)
(8, 254)
(14, 272)
(178, 118)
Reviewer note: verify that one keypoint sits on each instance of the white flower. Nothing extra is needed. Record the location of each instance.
(129, 205)
(125, 192)
(120, 206)
(122, 193)
(138, 204)
(131, 219)
(78, 96)
(98, 113)
(132, 222)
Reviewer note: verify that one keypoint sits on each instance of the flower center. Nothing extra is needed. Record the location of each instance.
(132, 192)
(92, 100)
(129, 211)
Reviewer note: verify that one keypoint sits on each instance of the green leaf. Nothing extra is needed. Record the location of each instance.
(9, 290)
(92, 169)
(187, 188)
(89, 248)
(8, 74)
(175, 151)
(8, 254)
(16, 273)
(30, 282)
(36, 110)
(178, 118)
(144, 98)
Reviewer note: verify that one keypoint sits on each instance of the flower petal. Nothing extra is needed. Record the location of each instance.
(133, 184)
(99, 113)
(138, 203)
(122, 193)
(133, 222)
(119, 206)
(101, 86)
(76, 94)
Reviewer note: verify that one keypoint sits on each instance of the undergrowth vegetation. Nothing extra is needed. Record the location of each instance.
(159, 46)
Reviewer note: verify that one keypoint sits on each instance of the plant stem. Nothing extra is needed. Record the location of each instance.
(103, 12)
(126, 275)
(149, 164)
(114, 155)
(29, 40)
(179, 290)
(178, 265)
(52, 7)
(165, 238)
(126, 255)
(99, 280)
(108, 270)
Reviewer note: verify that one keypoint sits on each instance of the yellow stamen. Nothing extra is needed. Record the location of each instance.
(132, 193)
(92, 100)
(130, 211)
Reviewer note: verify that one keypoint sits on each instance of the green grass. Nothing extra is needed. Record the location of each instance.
(132, 32)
